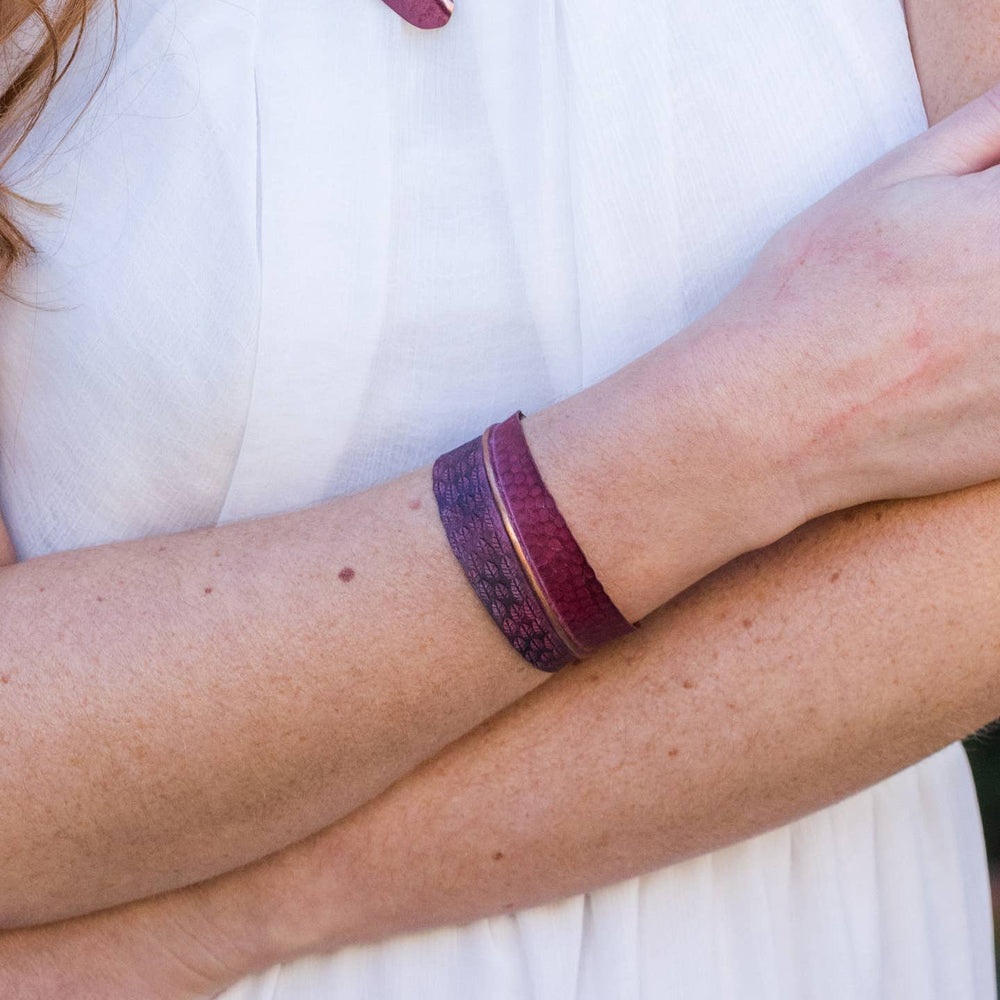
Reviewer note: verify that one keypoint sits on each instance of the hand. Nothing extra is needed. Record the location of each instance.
(146, 951)
(881, 305)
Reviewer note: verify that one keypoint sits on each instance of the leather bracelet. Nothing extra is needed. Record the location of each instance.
(517, 551)
(423, 13)
(553, 561)
(484, 550)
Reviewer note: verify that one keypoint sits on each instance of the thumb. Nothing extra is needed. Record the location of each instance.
(965, 142)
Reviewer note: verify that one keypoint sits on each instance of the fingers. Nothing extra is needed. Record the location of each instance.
(965, 142)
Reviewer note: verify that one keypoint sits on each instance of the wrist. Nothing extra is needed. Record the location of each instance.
(216, 932)
(736, 410)
(801, 406)
(671, 467)
(328, 893)
(295, 903)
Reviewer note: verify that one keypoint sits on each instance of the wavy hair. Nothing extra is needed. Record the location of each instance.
(39, 39)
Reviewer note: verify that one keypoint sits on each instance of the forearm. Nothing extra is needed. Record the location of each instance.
(785, 682)
(956, 50)
(176, 707)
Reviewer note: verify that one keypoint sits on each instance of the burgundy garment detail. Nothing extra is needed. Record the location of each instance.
(423, 13)
(483, 548)
(560, 569)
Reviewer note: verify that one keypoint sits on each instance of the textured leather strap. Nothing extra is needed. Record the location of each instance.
(553, 561)
(482, 546)
(423, 13)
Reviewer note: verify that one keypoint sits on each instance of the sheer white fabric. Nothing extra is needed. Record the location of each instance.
(306, 248)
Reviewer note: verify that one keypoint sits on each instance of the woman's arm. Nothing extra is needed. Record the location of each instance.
(956, 50)
(852, 649)
(783, 683)
(188, 941)
(176, 707)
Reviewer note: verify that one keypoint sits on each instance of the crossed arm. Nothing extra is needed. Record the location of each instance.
(784, 682)
(790, 678)
(172, 708)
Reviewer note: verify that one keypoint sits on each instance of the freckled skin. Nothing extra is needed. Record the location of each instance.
(782, 291)
(924, 376)
(781, 705)
(346, 574)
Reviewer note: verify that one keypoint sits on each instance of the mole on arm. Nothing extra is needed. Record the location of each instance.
(346, 574)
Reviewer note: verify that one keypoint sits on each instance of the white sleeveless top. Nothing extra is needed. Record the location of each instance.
(306, 248)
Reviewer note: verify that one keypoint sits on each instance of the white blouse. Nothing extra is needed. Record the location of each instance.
(305, 248)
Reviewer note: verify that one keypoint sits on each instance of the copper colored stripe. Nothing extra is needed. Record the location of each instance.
(482, 547)
(519, 551)
(554, 559)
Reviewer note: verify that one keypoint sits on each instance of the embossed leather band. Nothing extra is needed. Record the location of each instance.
(476, 533)
(423, 13)
(551, 557)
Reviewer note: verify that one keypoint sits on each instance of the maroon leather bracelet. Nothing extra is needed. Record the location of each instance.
(423, 13)
(518, 552)
(480, 542)
(552, 559)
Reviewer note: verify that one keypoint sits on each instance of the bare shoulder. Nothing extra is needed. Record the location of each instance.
(956, 49)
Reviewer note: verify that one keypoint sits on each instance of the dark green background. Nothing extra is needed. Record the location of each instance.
(984, 755)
